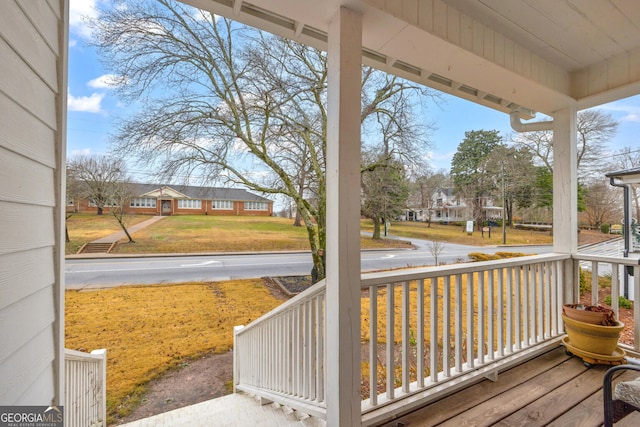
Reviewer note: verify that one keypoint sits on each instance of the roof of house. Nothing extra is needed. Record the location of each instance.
(195, 192)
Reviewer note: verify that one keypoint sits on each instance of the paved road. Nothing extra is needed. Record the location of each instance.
(112, 271)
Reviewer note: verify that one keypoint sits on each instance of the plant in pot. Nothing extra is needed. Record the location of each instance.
(592, 329)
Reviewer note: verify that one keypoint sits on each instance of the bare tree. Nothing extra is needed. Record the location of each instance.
(237, 106)
(602, 203)
(96, 178)
(121, 197)
(436, 248)
(594, 130)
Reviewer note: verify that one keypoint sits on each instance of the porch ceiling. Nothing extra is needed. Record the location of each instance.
(510, 55)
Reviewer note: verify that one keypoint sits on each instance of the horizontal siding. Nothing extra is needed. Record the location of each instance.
(27, 377)
(25, 87)
(26, 135)
(31, 149)
(25, 319)
(25, 227)
(37, 189)
(40, 390)
(17, 31)
(45, 20)
(32, 269)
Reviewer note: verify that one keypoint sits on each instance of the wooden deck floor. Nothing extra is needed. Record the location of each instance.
(552, 390)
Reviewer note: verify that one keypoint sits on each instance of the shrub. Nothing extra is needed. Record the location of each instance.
(584, 284)
(604, 228)
(480, 256)
(622, 301)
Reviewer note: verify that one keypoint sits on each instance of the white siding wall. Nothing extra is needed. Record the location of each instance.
(32, 116)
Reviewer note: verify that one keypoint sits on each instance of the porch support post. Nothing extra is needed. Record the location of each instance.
(343, 220)
(565, 194)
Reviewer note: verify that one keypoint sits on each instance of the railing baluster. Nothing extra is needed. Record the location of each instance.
(594, 283)
(509, 297)
(518, 306)
(406, 343)
(481, 320)
(373, 345)
(615, 289)
(491, 316)
(539, 300)
(501, 315)
(470, 320)
(433, 327)
(446, 327)
(548, 292)
(420, 333)
(526, 305)
(458, 322)
(390, 341)
(322, 316)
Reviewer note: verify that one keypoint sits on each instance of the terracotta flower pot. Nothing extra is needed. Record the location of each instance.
(592, 338)
(593, 317)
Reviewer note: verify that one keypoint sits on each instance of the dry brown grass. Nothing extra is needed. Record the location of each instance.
(150, 329)
(84, 228)
(201, 233)
(457, 234)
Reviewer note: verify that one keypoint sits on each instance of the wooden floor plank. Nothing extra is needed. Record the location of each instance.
(631, 420)
(589, 412)
(445, 408)
(554, 403)
(504, 404)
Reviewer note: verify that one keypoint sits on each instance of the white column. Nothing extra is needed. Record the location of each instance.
(343, 220)
(565, 193)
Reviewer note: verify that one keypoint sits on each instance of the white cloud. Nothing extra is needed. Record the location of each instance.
(79, 11)
(630, 108)
(82, 152)
(105, 81)
(87, 104)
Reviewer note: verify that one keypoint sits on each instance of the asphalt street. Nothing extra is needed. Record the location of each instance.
(110, 270)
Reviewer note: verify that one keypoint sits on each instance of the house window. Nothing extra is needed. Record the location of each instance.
(143, 202)
(439, 202)
(255, 206)
(189, 204)
(70, 201)
(222, 204)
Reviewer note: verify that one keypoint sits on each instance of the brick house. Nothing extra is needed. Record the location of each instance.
(152, 199)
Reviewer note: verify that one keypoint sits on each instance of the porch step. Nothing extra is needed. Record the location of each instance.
(96, 248)
(233, 410)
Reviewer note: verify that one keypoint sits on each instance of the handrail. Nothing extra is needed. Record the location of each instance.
(374, 278)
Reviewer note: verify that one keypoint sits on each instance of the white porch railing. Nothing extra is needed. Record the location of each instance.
(433, 330)
(85, 388)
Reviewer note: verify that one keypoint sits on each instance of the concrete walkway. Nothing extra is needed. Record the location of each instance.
(233, 410)
(115, 237)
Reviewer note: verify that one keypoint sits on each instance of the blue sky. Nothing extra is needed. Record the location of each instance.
(92, 107)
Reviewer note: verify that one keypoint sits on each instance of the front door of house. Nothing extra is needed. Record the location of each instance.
(166, 207)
